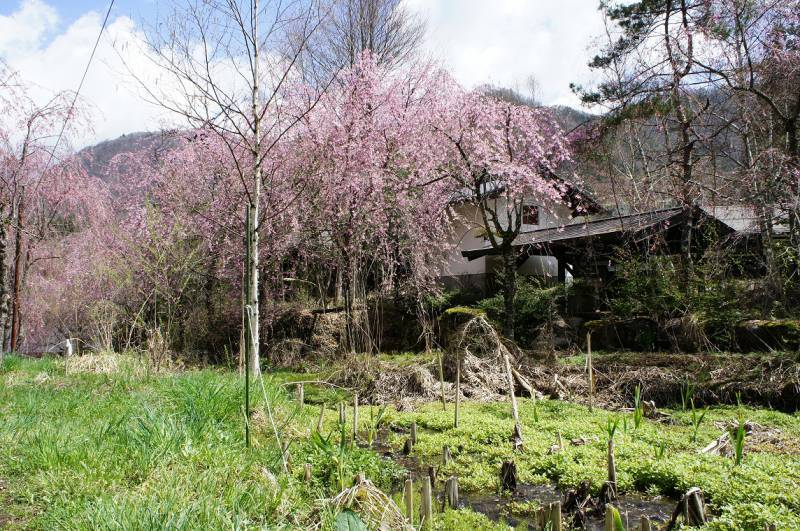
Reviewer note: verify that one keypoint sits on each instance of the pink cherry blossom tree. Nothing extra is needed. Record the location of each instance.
(500, 153)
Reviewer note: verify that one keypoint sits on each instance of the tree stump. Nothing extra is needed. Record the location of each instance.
(508, 476)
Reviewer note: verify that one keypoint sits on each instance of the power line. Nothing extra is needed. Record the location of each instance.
(78, 91)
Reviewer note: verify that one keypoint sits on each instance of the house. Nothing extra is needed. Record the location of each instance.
(472, 271)
(561, 240)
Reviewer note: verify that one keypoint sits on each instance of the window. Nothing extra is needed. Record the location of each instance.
(530, 215)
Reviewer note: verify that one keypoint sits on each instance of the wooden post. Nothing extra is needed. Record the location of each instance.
(645, 524)
(590, 369)
(408, 496)
(355, 418)
(321, 417)
(451, 492)
(555, 516)
(414, 432)
(446, 455)
(307, 474)
(426, 513)
(300, 395)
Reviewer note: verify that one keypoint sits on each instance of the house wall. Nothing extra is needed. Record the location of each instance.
(468, 234)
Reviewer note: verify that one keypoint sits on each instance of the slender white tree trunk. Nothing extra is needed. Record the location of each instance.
(255, 195)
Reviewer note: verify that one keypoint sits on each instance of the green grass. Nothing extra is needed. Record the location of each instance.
(132, 451)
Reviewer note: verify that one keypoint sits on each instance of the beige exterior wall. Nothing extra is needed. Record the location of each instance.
(469, 232)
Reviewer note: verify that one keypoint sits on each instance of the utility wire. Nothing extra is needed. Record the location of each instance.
(78, 91)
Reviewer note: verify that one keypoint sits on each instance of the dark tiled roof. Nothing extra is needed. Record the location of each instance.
(583, 229)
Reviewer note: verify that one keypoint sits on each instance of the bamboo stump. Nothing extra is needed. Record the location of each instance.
(300, 395)
(307, 474)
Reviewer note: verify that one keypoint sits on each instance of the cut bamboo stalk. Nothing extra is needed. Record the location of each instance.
(414, 432)
(307, 474)
(342, 414)
(408, 496)
(446, 455)
(300, 395)
(426, 510)
(645, 524)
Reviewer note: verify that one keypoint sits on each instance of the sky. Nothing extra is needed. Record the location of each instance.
(503, 42)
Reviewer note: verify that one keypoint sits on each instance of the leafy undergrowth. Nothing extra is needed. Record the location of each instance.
(765, 488)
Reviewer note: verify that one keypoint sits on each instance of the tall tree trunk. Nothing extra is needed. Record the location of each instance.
(509, 290)
(251, 300)
(3, 287)
(15, 311)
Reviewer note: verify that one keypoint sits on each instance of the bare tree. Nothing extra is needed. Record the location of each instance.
(384, 27)
(228, 67)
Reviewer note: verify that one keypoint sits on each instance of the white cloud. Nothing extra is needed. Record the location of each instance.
(507, 41)
(50, 63)
(499, 41)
